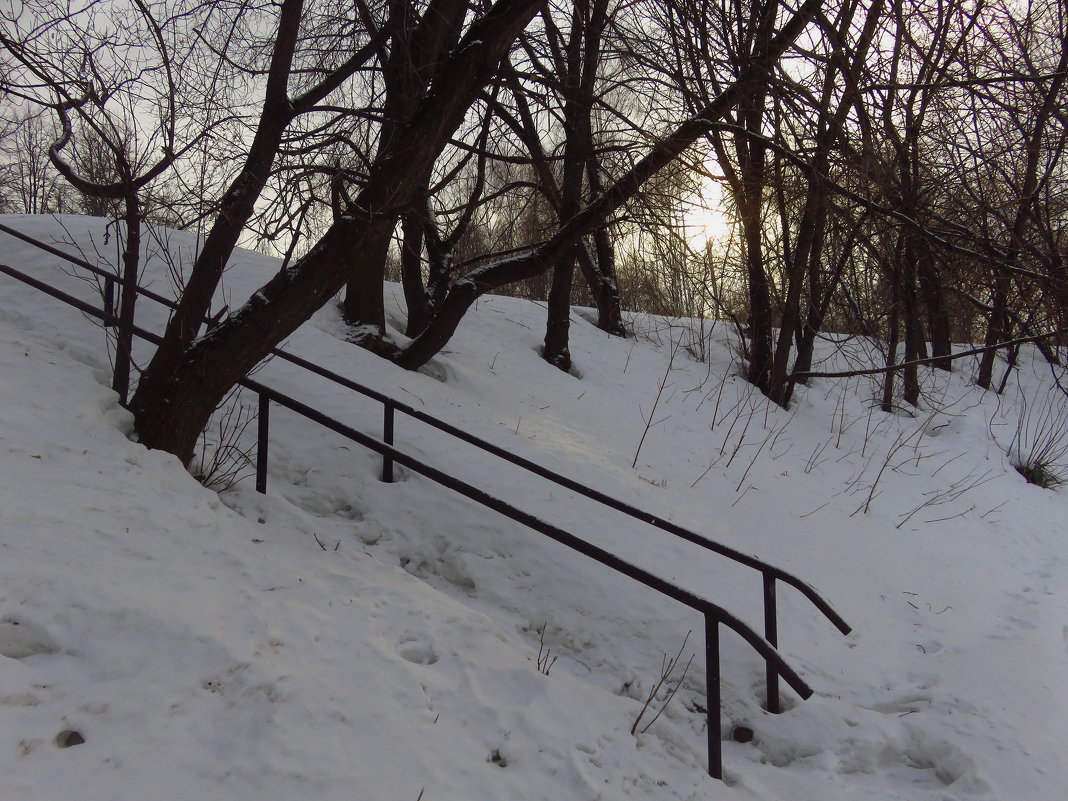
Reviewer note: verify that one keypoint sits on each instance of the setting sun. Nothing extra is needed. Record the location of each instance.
(705, 219)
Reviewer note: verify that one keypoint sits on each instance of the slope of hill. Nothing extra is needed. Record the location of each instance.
(342, 638)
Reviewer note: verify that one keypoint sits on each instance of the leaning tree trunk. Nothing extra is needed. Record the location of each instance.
(600, 275)
(131, 262)
(997, 331)
(412, 273)
(221, 358)
(821, 301)
(217, 361)
(933, 295)
(915, 344)
(602, 279)
(463, 294)
(583, 55)
(364, 304)
(417, 45)
(558, 322)
(751, 153)
(235, 209)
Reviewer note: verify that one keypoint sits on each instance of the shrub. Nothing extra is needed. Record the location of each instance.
(1039, 447)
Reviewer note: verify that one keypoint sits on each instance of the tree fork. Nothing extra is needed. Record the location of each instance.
(213, 364)
(221, 358)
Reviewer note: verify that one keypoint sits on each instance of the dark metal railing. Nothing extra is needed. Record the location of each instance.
(714, 615)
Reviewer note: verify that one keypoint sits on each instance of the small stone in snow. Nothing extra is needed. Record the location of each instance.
(742, 734)
(68, 738)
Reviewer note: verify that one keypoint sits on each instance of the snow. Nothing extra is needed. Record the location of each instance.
(342, 638)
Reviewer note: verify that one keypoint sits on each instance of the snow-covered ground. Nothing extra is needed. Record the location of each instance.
(342, 638)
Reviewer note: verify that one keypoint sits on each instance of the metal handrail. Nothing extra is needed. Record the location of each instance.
(770, 574)
(714, 615)
(607, 500)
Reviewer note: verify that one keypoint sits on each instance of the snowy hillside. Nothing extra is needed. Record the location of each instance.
(343, 638)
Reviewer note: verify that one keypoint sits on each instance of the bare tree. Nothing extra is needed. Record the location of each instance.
(400, 152)
(30, 183)
(1042, 147)
(81, 82)
(184, 397)
(214, 363)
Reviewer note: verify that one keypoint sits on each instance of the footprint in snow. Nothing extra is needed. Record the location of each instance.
(20, 638)
(417, 650)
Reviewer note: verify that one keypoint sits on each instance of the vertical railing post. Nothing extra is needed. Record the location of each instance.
(387, 437)
(263, 425)
(712, 697)
(771, 634)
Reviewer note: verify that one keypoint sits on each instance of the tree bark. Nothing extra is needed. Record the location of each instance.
(213, 364)
(412, 225)
(997, 328)
(577, 89)
(465, 292)
(235, 209)
(598, 267)
(417, 45)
